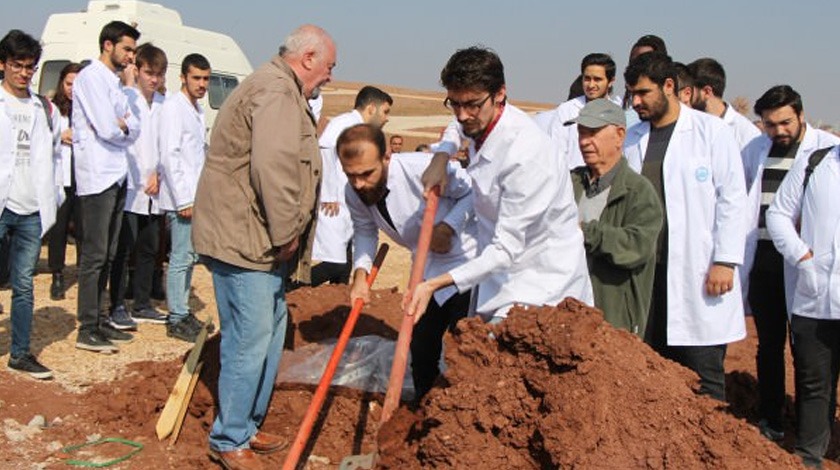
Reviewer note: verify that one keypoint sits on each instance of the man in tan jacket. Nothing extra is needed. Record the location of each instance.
(252, 221)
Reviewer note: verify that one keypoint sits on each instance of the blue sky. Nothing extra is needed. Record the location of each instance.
(540, 42)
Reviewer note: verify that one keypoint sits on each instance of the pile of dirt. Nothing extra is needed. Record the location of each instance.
(560, 388)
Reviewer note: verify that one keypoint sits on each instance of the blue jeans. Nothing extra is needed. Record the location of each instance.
(182, 258)
(252, 317)
(25, 245)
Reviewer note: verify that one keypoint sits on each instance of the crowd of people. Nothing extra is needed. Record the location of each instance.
(664, 207)
(107, 159)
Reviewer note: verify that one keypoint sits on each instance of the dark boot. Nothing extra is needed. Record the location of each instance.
(57, 287)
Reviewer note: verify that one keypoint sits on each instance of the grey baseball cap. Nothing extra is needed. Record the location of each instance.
(599, 113)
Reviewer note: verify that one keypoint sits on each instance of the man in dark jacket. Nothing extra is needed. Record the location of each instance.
(620, 215)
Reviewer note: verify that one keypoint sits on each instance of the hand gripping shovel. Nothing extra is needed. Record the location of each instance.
(395, 383)
(320, 395)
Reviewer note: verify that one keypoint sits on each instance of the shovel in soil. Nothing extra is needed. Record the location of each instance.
(395, 382)
(320, 395)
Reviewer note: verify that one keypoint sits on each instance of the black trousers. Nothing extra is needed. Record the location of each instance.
(102, 216)
(769, 308)
(706, 361)
(816, 363)
(427, 339)
(139, 235)
(57, 235)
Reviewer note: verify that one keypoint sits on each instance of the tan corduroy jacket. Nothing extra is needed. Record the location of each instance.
(259, 186)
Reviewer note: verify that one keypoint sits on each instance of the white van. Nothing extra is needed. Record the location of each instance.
(74, 37)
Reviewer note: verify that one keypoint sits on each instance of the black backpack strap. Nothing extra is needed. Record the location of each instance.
(813, 160)
(47, 109)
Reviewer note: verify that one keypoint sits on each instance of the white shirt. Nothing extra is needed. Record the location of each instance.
(66, 152)
(22, 198)
(530, 245)
(814, 283)
(99, 145)
(565, 138)
(333, 233)
(144, 155)
(44, 160)
(406, 205)
(182, 151)
(742, 128)
(703, 178)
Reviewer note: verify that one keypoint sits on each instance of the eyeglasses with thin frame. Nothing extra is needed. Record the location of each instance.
(471, 107)
(17, 67)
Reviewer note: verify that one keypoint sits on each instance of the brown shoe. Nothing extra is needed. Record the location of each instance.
(266, 443)
(239, 459)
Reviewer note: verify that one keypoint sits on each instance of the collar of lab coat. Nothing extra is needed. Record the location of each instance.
(506, 129)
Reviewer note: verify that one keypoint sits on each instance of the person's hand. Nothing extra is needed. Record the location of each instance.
(415, 303)
(123, 126)
(330, 209)
(285, 252)
(67, 137)
(719, 280)
(185, 213)
(442, 238)
(360, 289)
(129, 75)
(152, 184)
(435, 174)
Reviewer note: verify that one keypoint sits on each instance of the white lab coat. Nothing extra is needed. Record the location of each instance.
(143, 155)
(742, 128)
(565, 138)
(814, 284)
(66, 152)
(332, 234)
(755, 157)
(182, 151)
(530, 245)
(406, 205)
(705, 202)
(45, 161)
(99, 145)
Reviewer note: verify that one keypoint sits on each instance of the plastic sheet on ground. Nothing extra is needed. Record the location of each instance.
(365, 365)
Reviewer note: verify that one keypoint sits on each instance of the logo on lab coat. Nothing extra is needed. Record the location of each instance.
(701, 174)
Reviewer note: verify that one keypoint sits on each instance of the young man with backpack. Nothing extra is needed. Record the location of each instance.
(29, 190)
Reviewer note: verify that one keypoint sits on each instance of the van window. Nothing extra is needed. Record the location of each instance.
(220, 88)
(49, 77)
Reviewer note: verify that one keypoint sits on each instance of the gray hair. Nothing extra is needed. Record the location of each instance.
(305, 38)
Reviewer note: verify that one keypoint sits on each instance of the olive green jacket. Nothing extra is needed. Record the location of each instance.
(620, 247)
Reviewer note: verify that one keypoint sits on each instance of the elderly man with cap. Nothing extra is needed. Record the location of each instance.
(620, 216)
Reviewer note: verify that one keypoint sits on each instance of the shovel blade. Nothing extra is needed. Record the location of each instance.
(358, 462)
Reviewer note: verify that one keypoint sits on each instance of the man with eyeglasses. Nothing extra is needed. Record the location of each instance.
(530, 245)
(29, 191)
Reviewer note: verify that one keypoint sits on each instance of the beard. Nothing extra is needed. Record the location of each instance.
(316, 92)
(373, 195)
(653, 112)
(787, 140)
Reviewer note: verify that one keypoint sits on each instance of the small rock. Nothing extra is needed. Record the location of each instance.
(318, 459)
(54, 446)
(93, 437)
(38, 422)
(15, 435)
(57, 421)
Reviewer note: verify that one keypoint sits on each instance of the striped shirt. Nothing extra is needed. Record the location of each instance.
(778, 163)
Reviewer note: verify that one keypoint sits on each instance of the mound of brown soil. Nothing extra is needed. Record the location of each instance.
(560, 388)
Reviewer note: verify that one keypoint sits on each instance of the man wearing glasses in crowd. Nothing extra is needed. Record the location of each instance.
(530, 247)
